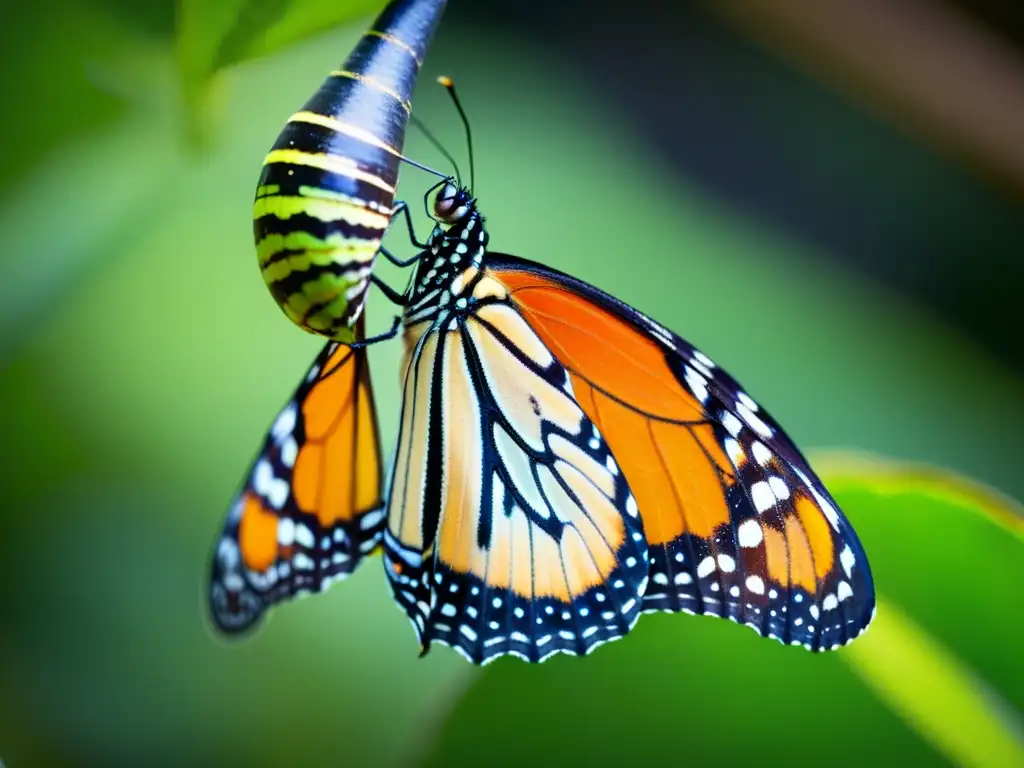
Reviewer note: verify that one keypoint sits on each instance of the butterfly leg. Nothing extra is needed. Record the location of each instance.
(402, 207)
(401, 262)
(389, 334)
(392, 295)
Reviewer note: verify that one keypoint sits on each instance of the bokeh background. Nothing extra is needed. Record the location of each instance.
(827, 198)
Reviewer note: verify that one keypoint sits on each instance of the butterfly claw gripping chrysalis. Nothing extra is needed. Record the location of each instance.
(327, 190)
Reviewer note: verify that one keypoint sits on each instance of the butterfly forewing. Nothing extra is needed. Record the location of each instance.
(738, 525)
(310, 508)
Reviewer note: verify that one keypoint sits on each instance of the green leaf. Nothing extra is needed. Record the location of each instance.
(947, 551)
(216, 35)
(910, 691)
(967, 553)
(938, 696)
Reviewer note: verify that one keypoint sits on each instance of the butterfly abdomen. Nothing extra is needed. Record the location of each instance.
(327, 189)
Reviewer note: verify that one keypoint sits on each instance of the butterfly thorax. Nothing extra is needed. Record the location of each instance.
(446, 271)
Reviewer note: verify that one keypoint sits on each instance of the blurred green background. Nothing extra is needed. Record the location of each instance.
(670, 161)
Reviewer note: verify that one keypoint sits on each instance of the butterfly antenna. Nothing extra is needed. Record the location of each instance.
(447, 83)
(437, 145)
(422, 167)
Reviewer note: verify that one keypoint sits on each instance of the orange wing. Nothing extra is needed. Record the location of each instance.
(737, 523)
(311, 506)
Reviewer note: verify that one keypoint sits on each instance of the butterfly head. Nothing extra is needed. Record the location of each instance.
(453, 204)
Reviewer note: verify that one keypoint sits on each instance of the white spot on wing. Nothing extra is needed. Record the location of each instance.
(779, 487)
(275, 491)
(284, 424)
(846, 557)
(753, 420)
(233, 582)
(285, 531)
(762, 496)
(703, 359)
(707, 565)
(631, 507)
(762, 455)
(734, 451)
(746, 400)
(289, 451)
(370, 519)
(227, 553)
(749, 533)
(731, 423)
(697, 384)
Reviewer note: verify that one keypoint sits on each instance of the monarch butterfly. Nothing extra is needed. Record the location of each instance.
(564, 463)
(326, 194)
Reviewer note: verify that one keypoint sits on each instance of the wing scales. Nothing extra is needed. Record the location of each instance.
(310, 508)
(536, 547)
(737, 523)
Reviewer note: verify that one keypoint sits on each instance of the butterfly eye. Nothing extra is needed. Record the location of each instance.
(451, 204)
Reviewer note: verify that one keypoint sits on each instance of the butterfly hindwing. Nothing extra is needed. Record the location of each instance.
(311, 507)
(511, 528)
(738, 524)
